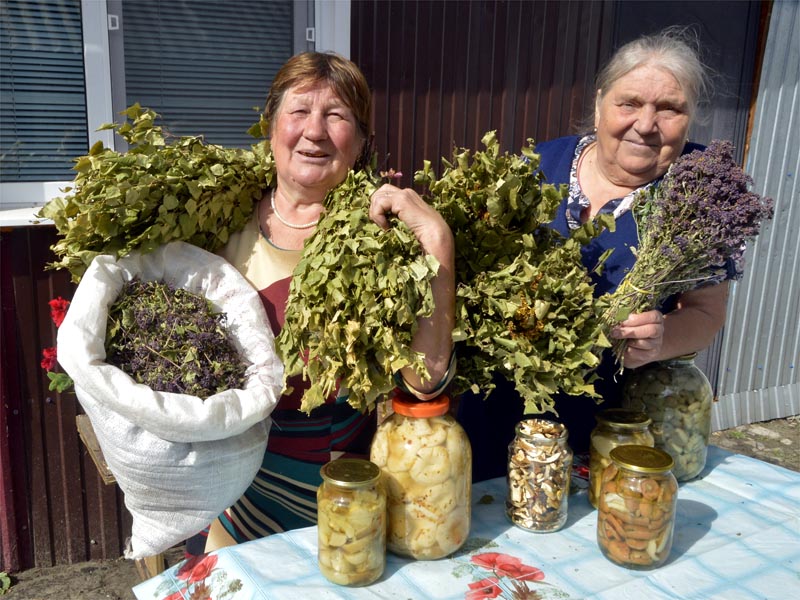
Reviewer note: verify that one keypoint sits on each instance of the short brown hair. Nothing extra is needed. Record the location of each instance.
(343, 76)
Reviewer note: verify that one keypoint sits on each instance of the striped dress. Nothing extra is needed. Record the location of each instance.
(283, 494)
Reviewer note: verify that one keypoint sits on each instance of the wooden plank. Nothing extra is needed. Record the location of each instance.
(89, 439)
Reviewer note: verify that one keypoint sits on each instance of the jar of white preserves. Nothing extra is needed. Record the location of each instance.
(426, 459)
(351, 522)
(677, 396)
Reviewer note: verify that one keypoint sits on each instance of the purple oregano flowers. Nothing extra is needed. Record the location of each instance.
(697, 220)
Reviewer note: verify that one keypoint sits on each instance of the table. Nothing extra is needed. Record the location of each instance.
(737, 536)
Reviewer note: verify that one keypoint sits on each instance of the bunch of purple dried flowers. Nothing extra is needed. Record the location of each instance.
(690, 226)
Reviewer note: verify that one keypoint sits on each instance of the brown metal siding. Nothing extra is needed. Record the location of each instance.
(58, 510)
(444, 73)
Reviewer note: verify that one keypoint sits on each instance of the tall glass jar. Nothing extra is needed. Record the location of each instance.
(636, 509)
(426, 459)
(539, 472)
(677, 396)
(351, 521)
(615, 427)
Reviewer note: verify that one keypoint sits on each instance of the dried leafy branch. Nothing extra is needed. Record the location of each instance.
(159, 191)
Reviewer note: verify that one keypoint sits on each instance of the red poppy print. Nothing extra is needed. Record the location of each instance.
(197, 568)
(485, 588)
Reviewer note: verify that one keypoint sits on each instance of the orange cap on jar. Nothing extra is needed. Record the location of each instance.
(408, 406)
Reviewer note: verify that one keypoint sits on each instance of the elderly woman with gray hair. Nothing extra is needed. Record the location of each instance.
(647, 98)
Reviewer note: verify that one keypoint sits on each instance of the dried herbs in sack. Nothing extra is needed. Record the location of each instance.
(525, 306)
(165, 448)
(690, 225)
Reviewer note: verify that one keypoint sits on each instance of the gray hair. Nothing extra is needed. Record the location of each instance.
(674, 49)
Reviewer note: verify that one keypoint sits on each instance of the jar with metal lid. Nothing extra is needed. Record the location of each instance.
(426, 459)
(636, 508)
(351, 522)
(615, 427)
(539, 472)
(677, 396)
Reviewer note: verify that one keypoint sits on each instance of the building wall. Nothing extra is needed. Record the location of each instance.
(760, 359)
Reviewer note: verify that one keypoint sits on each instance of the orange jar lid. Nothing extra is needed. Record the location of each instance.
(408, 406)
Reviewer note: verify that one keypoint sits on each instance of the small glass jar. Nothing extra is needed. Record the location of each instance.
(426, 459)
(677, 396)
(539, 472)
(636, 508)
(351, 522)
(615, 427)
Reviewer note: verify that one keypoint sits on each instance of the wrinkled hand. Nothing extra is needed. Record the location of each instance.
(428, 226)
(645, 335)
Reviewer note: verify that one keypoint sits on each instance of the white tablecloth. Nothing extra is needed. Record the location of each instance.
(737, 536)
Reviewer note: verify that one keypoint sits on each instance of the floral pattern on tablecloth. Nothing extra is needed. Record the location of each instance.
(199, 579)
(498, 575)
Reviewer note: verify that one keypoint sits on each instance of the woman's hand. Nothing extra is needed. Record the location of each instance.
(645, 335)
(422, 219)
(691, 327)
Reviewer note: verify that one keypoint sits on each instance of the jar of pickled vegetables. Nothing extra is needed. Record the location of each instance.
(426, 460)
(615, 427)
(539, 472)
(677, 396)
(351, 521)
(636, 508)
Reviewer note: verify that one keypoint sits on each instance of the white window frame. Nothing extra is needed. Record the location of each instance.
(20, 201)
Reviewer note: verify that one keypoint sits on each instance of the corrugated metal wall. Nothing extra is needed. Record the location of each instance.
(56, 508)
(444, 73)
(760, 362)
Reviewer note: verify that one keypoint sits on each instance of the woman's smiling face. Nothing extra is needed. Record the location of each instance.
(642, 122)
(315, 138)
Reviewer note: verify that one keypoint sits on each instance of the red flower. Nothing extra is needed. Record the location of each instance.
(505, 565)
(197, 568)
(49, 359)
(58, 310)
(485, 588)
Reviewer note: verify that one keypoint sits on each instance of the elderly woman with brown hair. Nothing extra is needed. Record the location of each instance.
(319, 113)
(647, 97)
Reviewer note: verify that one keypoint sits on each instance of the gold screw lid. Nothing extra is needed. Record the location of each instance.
(642, 459)
(623, 418)
(350, 472)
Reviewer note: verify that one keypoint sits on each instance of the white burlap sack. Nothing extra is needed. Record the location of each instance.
(179, 460)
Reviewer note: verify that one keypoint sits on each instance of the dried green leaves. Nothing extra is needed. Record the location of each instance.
(156, 192)
(525, 305)
(354, 301)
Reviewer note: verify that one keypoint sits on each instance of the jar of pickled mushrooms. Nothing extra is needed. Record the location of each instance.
(636, 509)
(426, 460)
(677, 396)
(351, 521)
(539, 471)
(615, 427)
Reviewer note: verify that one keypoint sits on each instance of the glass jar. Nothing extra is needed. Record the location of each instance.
(539, 471)
(615, 427)
(677, 396)
(636, 509)
(351, 522)
(426, 459)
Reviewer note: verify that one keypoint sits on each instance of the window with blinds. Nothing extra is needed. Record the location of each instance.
(42, 90)
(204, 66)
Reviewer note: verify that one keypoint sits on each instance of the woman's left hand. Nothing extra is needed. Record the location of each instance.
(645, 335)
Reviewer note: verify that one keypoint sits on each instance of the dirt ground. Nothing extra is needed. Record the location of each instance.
(776, 442)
